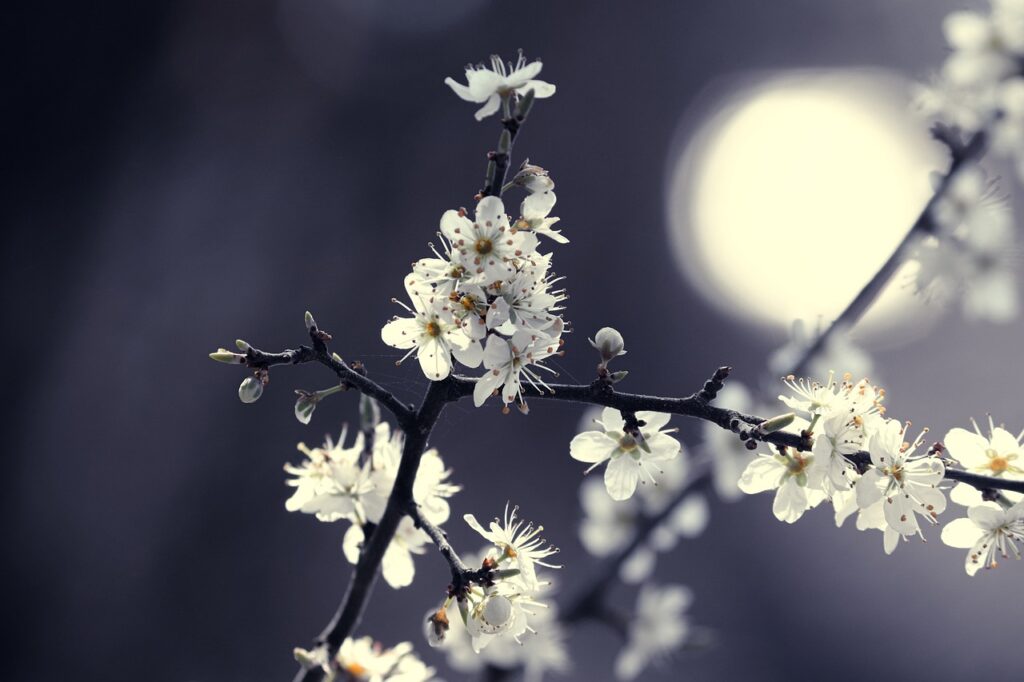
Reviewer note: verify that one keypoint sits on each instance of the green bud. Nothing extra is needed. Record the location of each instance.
(227, 357)
(305, 405)
(242, 345)
(505, 142)
(310, 322)
(369, 413)
(525, 105)
(616, 377)
(777, 423)
(609, 344)
(250, 390)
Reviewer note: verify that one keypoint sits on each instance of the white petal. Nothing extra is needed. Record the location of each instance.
(764, 473)
(352, 543)
(435, 360)
(966, 447)
(790, 502)
(401, 333)
(961, 533)
(485, 386)
(489, 108)
(591, 447)
(621, 477)
(397, 566)
(541, 89)
(471, 356)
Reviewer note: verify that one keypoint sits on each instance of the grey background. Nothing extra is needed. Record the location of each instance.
(185, 174)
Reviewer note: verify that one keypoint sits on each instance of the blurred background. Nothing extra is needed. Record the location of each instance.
(185, 174)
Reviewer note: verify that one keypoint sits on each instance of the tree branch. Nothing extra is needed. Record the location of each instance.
(351, 377)
(973, 149)
(350, 611)
(602, 393)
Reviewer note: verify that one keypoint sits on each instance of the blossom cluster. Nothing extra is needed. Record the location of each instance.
(970, 253)
(353, 483)
(980, 85)
(488, 296)
(502, 620)
(365, 660)
(896, 487)
(892, 492)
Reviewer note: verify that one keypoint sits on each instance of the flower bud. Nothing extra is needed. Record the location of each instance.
(226, 356)
(305, 405)
(777, 423)
(250, 390)
(609, 344)
(369, 413)
(616, 377)
(310, 322)
(242, 345)
(533, 179)
(436, 627)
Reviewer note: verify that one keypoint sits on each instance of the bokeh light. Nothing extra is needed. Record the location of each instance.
(794, 189)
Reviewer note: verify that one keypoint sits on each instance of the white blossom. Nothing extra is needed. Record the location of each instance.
(331, 482)
(998, 455)
(907, 484)
(490, 85)
(433, 334)
(364, 660)
(519, 542)
(537, 652)
(987, 531)
(658, 628)
(508, 362)
(397, 565)
(534, 216)
(487, 245)
(796, 477)
(627, 459)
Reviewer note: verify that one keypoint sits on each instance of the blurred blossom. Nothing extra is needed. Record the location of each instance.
(658, 628)
(973, 254)
(979, 85)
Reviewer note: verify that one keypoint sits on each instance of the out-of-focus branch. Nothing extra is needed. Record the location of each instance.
(962, 154)
(588, 600)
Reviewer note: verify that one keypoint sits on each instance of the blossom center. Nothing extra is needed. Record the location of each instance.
(483, 246)
(355, 670)
(433, 329)
(627, 443)
(996, 463)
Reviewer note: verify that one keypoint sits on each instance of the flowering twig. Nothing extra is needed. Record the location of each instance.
(350, 376)
(962, 154)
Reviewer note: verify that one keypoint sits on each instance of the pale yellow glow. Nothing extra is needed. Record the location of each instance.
(788, 199)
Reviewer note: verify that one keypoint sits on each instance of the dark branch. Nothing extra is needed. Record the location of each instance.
(348, 375)
(602, 393)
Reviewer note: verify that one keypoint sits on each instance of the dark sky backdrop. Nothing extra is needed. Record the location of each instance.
(182, 175)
